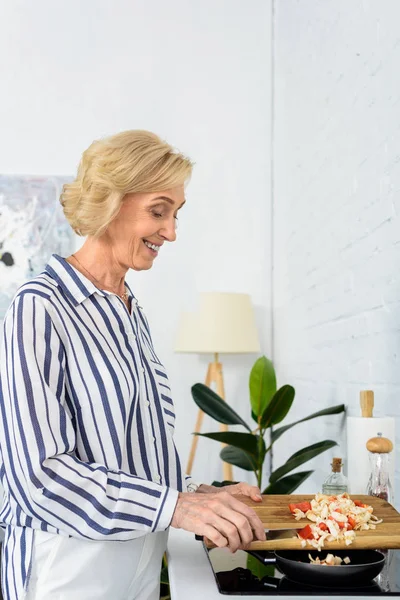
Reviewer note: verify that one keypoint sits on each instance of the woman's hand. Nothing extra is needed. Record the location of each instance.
(220, 517)
(244, 489)
(237, 489)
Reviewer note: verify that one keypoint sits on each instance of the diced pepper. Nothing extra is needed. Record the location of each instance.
(306, 533)
(323, 527)
(351, 523)
(303, 506)
(359, 503)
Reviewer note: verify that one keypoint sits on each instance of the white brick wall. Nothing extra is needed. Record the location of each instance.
(336, 211)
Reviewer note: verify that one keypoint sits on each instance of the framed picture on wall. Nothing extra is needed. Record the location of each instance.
(32, 228)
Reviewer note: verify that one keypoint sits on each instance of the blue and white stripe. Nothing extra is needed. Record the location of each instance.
(86, 420)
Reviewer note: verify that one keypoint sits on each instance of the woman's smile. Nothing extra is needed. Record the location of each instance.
(152, 248)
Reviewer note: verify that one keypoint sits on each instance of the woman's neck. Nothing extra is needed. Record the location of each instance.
(95, 260)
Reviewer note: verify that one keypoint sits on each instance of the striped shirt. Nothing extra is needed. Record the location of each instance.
(86, 423)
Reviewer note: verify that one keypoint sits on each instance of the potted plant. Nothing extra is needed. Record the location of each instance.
(269, 406)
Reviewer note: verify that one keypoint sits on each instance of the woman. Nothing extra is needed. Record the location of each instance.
(91, 474)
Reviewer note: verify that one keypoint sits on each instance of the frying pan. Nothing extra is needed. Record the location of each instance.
(365, 565)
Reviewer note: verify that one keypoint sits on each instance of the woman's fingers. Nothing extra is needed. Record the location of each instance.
(214, 536)
(247, 490)
(251, 516)
(231, 526)
(234, 526)
(221, 517)
(254, 493)
(230, 532)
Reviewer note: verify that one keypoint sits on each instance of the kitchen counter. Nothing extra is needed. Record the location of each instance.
(191, 576)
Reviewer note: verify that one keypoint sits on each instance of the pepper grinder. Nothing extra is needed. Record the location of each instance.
(379, 484)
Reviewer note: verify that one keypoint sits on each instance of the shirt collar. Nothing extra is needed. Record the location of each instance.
(75, 285)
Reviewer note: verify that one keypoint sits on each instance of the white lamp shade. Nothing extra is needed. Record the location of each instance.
(224, 324)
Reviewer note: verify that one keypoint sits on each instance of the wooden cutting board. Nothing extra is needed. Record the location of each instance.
(275, 515)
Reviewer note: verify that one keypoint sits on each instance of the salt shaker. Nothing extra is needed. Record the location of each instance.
(379, 482)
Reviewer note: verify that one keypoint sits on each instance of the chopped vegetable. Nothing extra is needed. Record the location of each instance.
(333, 518)
(351, 522)
(360, 504)
(303, 506)
(306, 533)
(330, 560)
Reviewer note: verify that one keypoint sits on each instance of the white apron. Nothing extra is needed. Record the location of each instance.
(73, 569)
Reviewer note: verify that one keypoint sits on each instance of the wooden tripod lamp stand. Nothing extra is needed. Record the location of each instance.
(224, 324)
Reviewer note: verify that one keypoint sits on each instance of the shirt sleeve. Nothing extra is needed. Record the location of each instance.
(37, 439)
(191, 485)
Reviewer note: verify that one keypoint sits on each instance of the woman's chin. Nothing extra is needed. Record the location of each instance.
(141, 265)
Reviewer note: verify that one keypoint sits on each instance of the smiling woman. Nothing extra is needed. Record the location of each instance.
(145, 221)
(88, 458)
(125, 198)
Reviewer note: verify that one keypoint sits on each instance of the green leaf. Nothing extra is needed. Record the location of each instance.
(254, 417)
(239, 458)
(334, 410)
(214, 406)
(279, 406)
(245, 441)
(300, 458)
(164, 592)
(324, 445)
(258, 568)
(262, 385)
(164, 575)
(287, 484)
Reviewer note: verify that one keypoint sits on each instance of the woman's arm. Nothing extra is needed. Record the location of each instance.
(38, 440)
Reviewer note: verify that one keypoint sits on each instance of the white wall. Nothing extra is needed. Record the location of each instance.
(199, 74)
(336, 210)
(196, 73)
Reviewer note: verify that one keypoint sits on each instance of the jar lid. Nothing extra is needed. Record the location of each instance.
(379, 445)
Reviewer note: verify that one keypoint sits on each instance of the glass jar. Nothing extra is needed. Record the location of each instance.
(336, 482)
(379, 484)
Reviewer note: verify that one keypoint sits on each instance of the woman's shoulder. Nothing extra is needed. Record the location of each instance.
(41, 288)
(42, 285)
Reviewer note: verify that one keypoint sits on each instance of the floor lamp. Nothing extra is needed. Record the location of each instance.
(224, 324)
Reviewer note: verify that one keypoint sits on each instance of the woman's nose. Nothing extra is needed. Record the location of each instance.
(168, 232)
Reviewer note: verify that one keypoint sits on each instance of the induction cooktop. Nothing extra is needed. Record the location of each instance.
(235, 575)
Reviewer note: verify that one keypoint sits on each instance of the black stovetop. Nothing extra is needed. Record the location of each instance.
(236, 576)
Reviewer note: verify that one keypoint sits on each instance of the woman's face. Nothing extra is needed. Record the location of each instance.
(143, 224)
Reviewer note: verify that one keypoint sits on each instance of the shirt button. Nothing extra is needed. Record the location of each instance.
(154, 439)
(142, 369)
(147, 403)
(157, 478)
